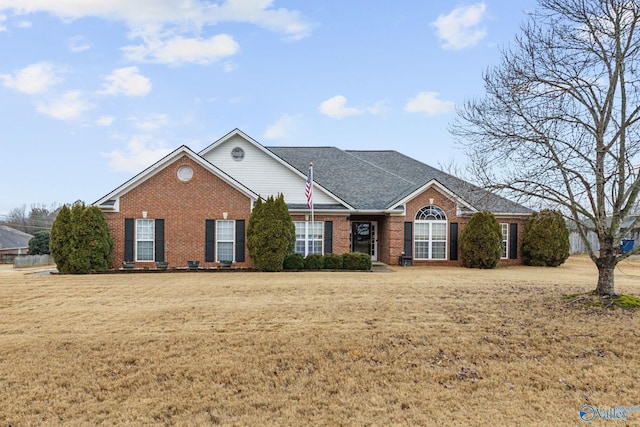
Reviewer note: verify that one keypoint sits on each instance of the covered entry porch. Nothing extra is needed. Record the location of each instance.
(369, 234)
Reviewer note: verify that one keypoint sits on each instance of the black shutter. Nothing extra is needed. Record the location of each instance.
(408, 239)
(210, 240)
(328, 237)
(128, 239)
(513, 241)
(159, 244)
(453, 241)
(240, 240)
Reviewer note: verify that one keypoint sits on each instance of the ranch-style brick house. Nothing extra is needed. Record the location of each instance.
(196, 206)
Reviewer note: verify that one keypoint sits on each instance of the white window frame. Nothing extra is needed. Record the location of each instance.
(430, 215)
(139, 229)
(226, 222)
(306, 237)
(505, 240)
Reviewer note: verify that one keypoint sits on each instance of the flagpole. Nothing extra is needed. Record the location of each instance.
(313, 230)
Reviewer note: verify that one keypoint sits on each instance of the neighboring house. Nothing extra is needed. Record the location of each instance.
(196, 206)
(12, 243)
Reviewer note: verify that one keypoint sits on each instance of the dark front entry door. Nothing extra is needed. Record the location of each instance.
(361, 237)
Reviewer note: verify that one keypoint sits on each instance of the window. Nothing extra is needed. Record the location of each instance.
(430, 233)
(309, 237)
(505, 239)
(145, 232)
(225, 239)
(185, 173)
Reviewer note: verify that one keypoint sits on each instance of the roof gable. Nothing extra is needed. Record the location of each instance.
(266, 173)
(110, 200)
(420, 175)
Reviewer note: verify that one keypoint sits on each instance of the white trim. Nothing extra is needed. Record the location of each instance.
(505, 240)
(444, 190)
(232, 241)
(511, 215)
(238, 132)
(161, 165)
(307, 235)
(430, 241)
(152, 240)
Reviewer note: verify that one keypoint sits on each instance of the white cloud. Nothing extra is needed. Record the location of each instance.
(69, 106)
(428, 102)
(229, 66)
(105, 121)
(261, 13)
(180, 50)
(33, 79)
(126, 81)
(281, 128)
(141, 152)
(24, 24)
(150, 123)
(171, 31)
(77, 44)
(461, 28)
(377, 109)
(336, 107)
(188, 15)
(3, 19)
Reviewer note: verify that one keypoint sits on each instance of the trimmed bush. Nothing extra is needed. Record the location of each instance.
(80, 240)
(333, 261)
(545, 241)
(60, 239)
(314, 262)
(271, 235)
(39, 243)
(481, 241)
(293, 262)
(356, 261)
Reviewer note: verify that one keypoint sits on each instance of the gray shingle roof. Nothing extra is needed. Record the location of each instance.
(376, 180)
(10, 238)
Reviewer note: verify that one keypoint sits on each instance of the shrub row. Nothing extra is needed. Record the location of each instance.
(347, 261)
(545, 241)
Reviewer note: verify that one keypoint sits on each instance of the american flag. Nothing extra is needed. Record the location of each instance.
(308, 188)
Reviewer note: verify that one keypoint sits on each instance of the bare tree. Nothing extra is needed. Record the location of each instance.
(39, 218)
(559, 122)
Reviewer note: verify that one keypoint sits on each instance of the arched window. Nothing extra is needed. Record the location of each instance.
(430, 233)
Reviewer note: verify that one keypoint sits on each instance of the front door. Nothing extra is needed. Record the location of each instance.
(364, 238)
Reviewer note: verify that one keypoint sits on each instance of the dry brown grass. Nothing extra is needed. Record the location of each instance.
(421, 346)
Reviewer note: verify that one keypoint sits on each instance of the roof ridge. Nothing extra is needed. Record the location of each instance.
(350, 153)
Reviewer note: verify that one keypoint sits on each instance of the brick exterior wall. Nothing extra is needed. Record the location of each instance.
(433, 196)
(341, 230)
(184, 206)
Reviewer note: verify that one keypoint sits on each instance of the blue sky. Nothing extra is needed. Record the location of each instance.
(94, 91)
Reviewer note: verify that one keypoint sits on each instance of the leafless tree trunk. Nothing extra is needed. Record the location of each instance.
(559, 123)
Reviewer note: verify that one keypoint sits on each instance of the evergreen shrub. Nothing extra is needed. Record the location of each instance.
(39, 243)
(293, 261)
(80, 240)
(271, 235)
(314, 262)
(545, 241)
(356, 261)
(333, 261)
(481, 241)
(60, 239)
